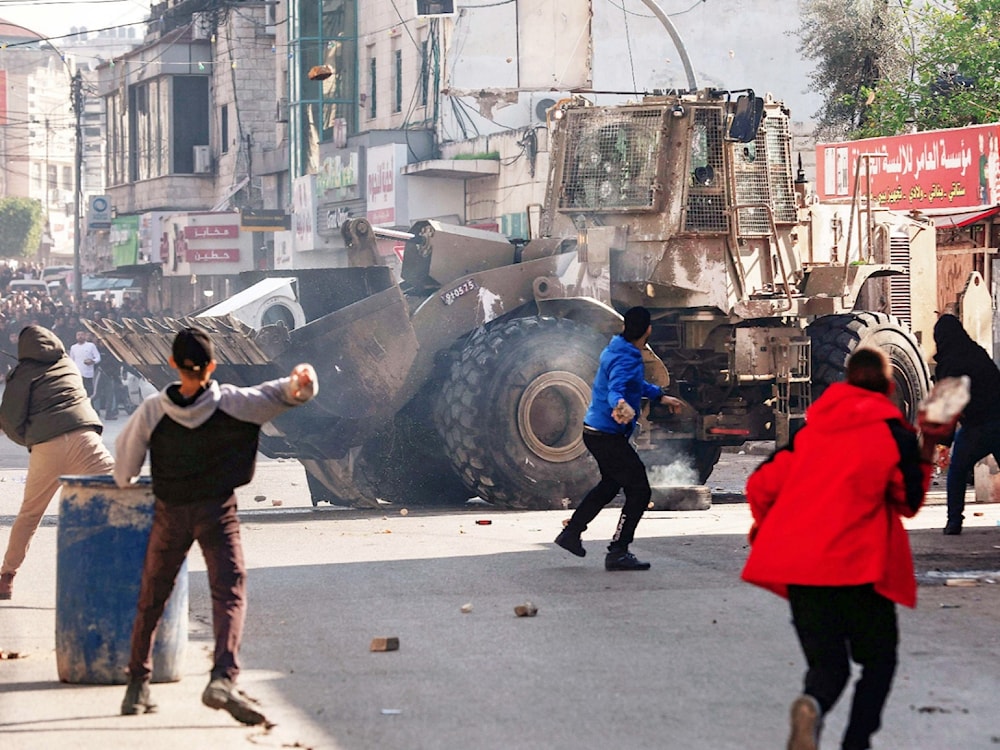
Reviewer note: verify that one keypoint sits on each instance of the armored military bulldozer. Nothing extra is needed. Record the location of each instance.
(471, 373)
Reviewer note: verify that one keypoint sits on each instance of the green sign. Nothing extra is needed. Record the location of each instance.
(125, 240)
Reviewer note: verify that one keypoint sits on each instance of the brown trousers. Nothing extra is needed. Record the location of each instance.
(216, 528)
(77, 452)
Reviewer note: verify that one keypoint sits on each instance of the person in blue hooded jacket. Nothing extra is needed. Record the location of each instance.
(616, 398)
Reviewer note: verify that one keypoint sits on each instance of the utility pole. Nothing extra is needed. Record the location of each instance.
(77, 94)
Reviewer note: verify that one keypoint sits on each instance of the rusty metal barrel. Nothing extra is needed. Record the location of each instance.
(101, 542)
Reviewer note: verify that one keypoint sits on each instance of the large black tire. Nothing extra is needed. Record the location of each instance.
(511, 412)
(834, 337)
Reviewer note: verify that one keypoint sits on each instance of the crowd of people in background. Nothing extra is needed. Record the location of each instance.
(63, 315)
(57, 311)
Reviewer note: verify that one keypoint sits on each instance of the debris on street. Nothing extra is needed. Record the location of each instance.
(526, 610)
(390, 643)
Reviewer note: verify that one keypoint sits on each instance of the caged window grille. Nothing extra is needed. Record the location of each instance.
(763, 174)
(611, 159)
(706, 201)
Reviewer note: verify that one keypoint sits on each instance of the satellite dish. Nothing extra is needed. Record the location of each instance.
(542, 107)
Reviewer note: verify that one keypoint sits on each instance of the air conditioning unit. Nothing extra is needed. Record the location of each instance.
(202, 160)
(281, 111)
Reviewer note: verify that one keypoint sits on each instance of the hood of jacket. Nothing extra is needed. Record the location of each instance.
(40, 344)
(950, 336)
(846, 407)
(195, 413)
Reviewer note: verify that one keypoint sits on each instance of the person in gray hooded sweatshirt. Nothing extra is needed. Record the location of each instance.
(202, 444)
(46, 409)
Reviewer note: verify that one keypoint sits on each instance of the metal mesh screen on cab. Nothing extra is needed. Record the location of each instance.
(611, 159)
(706, 201)
(763, 174)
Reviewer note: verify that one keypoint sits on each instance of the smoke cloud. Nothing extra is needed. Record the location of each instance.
(679, 473)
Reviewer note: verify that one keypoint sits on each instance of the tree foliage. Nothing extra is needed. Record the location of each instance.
(20, 227)
(889, 68)
(955, 73)
(855, 45)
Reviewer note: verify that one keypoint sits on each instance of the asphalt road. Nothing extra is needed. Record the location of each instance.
(683, 656)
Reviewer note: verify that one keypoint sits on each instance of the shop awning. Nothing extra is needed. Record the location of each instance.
(954, 217)
(456, 169)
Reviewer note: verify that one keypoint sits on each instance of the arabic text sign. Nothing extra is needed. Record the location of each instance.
(934, 169)
(264, 220)
(304, 212)
(383, 165)
(215, 255)
(212, 232)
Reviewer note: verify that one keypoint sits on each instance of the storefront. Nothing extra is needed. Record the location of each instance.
(950, 176)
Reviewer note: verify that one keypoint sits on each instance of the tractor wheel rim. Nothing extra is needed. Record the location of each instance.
(550, 416)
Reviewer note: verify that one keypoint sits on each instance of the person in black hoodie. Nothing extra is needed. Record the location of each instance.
(46, 408)
(978, 434)
(201, 437)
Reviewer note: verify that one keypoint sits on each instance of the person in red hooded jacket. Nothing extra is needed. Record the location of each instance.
(828, 536)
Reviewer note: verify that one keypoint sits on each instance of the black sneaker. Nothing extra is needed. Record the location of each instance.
(571, 543)
(623, 561)
(220, 694)
(137, 698)
(952, 529)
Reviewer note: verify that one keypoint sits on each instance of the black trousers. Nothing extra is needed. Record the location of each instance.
(621, 468)
(970, 445)
(838, 624)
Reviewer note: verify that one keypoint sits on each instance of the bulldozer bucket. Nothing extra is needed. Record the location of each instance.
(362, 353)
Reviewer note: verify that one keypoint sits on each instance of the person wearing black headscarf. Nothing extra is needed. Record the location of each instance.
(978, 434)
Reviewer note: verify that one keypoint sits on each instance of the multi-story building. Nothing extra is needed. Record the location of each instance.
(190, 124)
(38, 132)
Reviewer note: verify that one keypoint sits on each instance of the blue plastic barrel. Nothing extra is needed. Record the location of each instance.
(102, 537)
